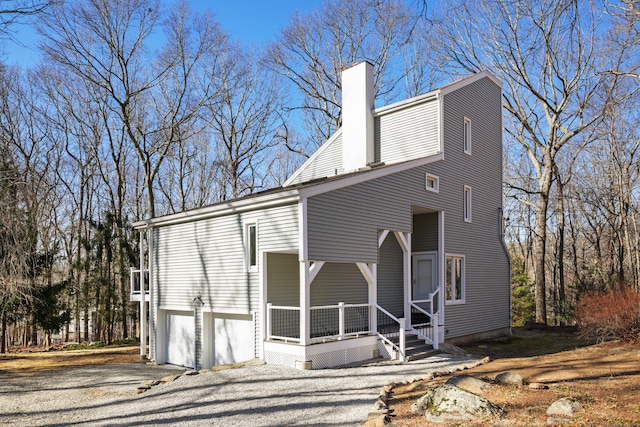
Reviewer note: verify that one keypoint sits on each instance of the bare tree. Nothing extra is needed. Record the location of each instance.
(547, 53)
(243, 121)
(106, 43)
(313, 49)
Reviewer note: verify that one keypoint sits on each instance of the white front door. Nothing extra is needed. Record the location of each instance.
(425, 277)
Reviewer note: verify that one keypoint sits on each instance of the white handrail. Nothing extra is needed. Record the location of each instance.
(400, 348)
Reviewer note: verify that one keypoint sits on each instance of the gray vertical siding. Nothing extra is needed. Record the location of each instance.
(206, 258)
(391, 277)
(327, 163)
(409, 133)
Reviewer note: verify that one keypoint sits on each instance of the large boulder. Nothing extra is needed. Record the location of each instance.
(448, 402)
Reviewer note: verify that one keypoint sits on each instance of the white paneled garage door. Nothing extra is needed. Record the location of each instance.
(234, 339)
(181, 339)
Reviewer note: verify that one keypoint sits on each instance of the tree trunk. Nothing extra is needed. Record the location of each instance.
(539, 255)
(3, 335)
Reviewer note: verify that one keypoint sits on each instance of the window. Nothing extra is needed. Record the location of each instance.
(467, 203)
(252, 247)
(467, 136)
(454, 279)
(433, 183)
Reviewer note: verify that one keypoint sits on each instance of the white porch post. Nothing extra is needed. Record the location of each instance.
(305, 303)
(370, 274)
(405, 243)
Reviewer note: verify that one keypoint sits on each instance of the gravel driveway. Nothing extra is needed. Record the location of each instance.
(265, 395)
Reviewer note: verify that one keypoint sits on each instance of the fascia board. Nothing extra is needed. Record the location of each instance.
(468, 80)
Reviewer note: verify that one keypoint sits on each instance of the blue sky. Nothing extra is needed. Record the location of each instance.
(250, 21)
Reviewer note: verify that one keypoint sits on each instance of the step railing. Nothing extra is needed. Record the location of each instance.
(389, 327)
(426, 330)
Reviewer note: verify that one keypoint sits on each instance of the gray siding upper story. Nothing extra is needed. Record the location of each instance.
(327, 161)
(206, 258)
(408, 133)
(343, 224)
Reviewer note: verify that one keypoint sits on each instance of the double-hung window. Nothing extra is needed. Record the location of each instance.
(454, 279)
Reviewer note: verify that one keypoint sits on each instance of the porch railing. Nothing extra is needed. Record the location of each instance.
(328, 322)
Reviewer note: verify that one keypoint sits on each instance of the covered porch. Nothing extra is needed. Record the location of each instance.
(320, 314)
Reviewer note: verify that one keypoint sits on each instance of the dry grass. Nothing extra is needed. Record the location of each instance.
(605, 378)
(37, 362)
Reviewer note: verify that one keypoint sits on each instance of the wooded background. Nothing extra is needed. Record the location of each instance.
(140, 108)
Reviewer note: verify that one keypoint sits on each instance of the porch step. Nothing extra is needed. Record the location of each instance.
(416, 348)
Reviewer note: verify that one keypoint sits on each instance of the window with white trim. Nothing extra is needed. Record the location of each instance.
(454, 279)
(467, 203)
(432, 183)
(467, 136)
(251, 255)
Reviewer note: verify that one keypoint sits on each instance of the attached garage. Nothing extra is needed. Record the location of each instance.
(234, 338)
(181, 339)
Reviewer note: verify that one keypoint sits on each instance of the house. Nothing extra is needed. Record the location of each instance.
(389, 235)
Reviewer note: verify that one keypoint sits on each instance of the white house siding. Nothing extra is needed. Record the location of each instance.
(409, 133)
(327, 162)
(206, 258)
(344, 223)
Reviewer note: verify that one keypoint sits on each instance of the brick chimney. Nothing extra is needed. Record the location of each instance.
(357, 116)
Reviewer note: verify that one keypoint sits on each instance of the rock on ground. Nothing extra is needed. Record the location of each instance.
(448, 402)
(509, 378)
(469, 383)
(565, 407)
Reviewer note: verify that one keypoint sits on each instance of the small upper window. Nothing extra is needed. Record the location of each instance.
(454, 279)
(467, 136)
(252, 247)
(467, 203)
(433, 183)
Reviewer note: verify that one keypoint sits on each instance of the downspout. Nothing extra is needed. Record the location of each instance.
(506, 252)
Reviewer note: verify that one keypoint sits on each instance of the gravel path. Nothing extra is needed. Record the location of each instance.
(265, 395)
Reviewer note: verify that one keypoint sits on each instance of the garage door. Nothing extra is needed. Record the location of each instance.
(181, 340)
(234, 339)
